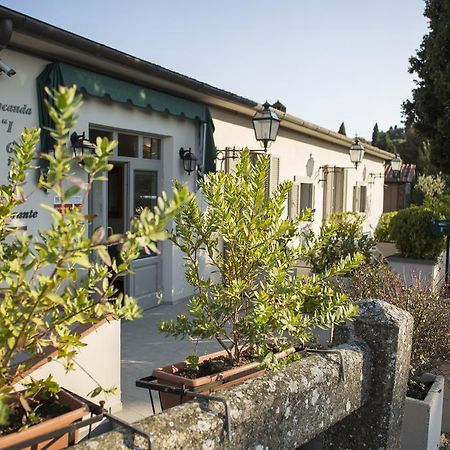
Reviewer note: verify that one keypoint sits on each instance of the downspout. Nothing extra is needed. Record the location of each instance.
(6, 29)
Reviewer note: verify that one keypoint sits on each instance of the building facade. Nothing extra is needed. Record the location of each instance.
(153, 112)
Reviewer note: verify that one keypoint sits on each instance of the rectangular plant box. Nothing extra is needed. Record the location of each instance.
(423, 418)
(78, 411)
(430, 272)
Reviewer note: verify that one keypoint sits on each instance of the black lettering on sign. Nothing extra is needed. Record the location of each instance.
(9, 124)
(31, 214)
(10, 146)
(18, 109)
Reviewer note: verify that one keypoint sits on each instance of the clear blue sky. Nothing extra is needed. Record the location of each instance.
(328, 61)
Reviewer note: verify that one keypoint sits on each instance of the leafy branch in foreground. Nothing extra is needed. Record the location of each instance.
(63, 277)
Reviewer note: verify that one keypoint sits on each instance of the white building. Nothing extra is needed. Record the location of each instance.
(153, 112)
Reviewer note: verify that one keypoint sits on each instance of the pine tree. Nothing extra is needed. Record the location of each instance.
(375, 135)
(428, 110)
(342, 129)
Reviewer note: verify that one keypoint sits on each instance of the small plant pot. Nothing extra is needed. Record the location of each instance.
(78, 411)
(422, 419)
(168, 376)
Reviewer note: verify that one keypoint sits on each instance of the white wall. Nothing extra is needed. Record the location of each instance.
(99, 359)
(21, 90)
(302, 156)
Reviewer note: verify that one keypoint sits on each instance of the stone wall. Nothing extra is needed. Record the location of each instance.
(358, 408)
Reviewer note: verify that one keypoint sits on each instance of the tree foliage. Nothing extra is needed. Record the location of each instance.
(340, 237)
(252, 298)
(342, 129)
(429, 111)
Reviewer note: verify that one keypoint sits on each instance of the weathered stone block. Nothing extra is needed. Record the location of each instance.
(387, 330)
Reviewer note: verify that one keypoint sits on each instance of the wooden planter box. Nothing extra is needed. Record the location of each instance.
(78, 411)
(423, 418)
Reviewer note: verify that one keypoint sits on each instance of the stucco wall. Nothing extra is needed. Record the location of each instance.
(98, 360)
(302, 157)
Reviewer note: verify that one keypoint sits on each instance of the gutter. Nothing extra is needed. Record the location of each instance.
(216, 97)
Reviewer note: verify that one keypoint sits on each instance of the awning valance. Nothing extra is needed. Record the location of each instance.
(98, 85)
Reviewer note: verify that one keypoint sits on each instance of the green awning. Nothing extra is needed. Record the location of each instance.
(98, 85)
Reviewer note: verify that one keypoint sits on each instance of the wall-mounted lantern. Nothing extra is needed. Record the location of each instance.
(266, 124)
(356, 152)
(189, 160)
(80, 144)
(396, 165)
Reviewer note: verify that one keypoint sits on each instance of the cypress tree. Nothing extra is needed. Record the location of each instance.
(342, 129)
(375, 135)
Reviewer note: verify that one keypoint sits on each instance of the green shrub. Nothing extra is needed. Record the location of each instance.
(439, 205)
(340, 237)
(411, 232)
(383, 230)
(430, 310)
(252, 299)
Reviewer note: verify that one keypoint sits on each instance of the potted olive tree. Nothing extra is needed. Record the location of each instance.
(60, 280)
(247, 297)
(430, 347)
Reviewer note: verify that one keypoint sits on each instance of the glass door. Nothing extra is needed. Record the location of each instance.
(145, 283)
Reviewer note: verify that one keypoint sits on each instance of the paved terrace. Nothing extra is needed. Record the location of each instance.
(144, 348)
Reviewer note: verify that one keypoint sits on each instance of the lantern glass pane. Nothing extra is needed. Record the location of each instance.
(356, 155)
(396, 164)
(274, 130)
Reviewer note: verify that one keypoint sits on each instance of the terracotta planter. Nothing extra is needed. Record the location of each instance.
(78, 411)
(168, 376)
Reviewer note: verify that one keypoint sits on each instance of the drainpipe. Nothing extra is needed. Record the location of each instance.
(6, 29)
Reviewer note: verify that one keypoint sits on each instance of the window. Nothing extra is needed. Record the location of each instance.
(272, 181)
(128, 145)
(300, 197)
(360, 199)
(95, 133)
(151, 148)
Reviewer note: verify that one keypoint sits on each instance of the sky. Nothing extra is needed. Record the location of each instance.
(327, 61)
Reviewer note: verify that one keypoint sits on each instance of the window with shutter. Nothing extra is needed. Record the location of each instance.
(333, 190)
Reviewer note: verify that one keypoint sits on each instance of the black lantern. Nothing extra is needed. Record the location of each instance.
(266, 124)
(80, 144)
(356, 152)
(189, 160)
(396, 165)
